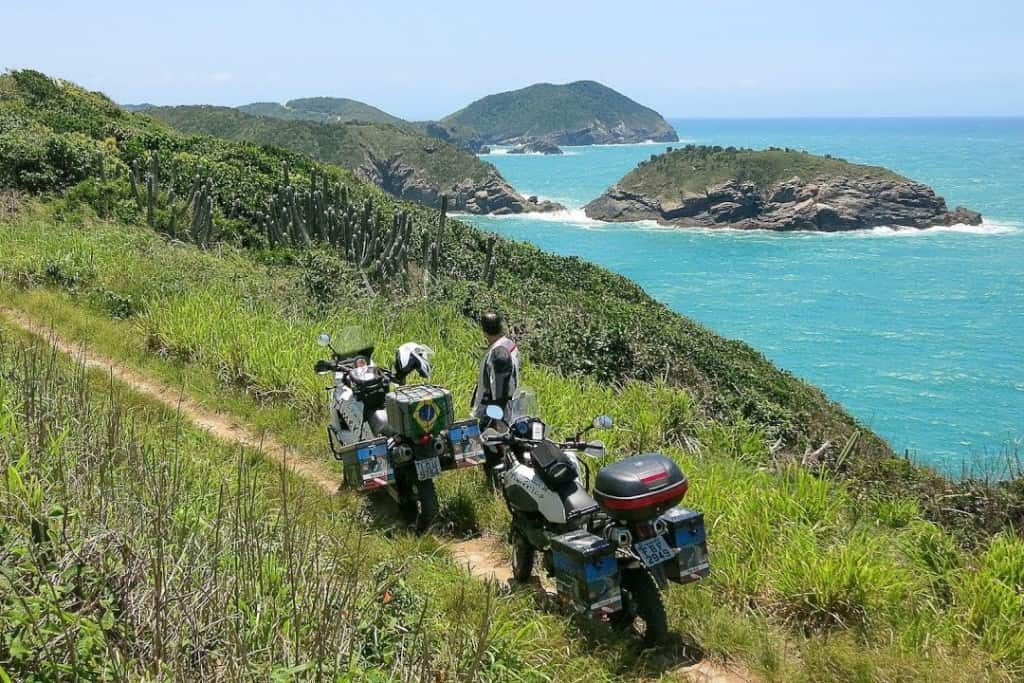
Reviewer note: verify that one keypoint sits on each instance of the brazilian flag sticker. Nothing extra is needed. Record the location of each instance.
(426, 414)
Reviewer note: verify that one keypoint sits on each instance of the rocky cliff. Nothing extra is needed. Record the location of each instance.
(491, 194)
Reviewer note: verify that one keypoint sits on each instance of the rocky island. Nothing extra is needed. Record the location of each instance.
(579, 113)
(773, 189)
(397, 158)
(537, 147)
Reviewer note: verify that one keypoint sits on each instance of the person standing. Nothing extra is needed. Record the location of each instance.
(497, 380)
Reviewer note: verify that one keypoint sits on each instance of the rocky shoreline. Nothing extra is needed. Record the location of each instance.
(537, 147)
(493, 195)
(826, 204)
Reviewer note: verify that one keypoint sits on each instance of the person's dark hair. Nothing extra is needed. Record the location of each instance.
(491, 323)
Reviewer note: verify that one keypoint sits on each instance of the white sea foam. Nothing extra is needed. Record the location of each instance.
(501, 151)
(578, 218)
(986, 228)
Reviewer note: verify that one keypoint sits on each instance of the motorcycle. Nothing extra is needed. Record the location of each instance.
(391, 436)
(611, 552)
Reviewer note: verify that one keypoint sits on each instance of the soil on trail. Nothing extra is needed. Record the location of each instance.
(478, 555)
(482, 559)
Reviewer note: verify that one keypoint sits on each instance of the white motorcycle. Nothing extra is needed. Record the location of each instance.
(610, 552)
(391, 436)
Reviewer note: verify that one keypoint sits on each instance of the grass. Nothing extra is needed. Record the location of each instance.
(136, 547)
(693, 169)
(814, 577)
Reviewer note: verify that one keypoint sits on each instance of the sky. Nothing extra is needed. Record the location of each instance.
(421, 60)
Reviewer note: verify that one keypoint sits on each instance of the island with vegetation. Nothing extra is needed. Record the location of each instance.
(396, 158)
(773, 189)
(139, 544)
(579, 113)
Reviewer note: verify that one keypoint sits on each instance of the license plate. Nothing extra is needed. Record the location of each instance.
(429, 468)
(653, 551)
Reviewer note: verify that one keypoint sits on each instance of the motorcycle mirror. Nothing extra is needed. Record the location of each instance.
(494, 412)
(603, 422)
(323, 339)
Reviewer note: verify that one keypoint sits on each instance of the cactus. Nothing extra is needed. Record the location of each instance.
(372, 240)
(489, 266)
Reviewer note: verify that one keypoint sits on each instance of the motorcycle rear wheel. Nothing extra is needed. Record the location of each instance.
(643, 610)
(417, 501)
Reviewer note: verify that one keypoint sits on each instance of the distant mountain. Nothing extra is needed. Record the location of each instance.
(580, 113)
(322, 109)
(772, 189)
(137, 107)
(398, 159)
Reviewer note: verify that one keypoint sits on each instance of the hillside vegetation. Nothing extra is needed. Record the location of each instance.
(324, 110)
(693, 169)
(583, 112)
(341, 144)
(862, 568)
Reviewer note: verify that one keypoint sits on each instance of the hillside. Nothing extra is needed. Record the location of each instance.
(773, 189)
(176, 554)
(580, 113)
(399, 160)
(323, 110)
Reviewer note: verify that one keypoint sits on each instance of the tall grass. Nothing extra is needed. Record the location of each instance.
(806, 569)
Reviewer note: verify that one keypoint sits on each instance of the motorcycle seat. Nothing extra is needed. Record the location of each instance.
(576, 499)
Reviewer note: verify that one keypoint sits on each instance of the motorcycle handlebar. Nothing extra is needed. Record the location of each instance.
(492, 437)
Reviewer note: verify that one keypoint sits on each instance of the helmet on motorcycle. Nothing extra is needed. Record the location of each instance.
(369, 386)
(410, 357)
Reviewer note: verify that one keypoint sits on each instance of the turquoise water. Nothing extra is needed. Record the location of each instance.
(918, 333)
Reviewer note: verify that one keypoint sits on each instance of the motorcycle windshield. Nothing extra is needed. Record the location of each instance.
(523, 404)
(353, 342)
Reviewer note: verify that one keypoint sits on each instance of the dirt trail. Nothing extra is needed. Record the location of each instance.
(218, 424)
(478, 555)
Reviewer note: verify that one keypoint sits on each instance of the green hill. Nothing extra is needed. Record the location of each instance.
(322, 109)
(397, 159)
(580, 113)
(141, 548)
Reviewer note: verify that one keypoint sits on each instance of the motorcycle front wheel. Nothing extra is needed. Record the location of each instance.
(643, 610)
(522, 557)
(417, 501)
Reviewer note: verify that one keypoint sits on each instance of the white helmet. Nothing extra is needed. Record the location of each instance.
(413, 356)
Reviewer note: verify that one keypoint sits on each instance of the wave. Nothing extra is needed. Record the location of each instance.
(986, 228)
(576, 217)
(502, 151)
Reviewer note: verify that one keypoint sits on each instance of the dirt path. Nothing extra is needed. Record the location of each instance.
(218, 424)
(478, 555)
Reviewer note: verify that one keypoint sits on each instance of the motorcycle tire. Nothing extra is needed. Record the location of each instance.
(522, 557)
(417, 500)
(641, 600)
(426, 495)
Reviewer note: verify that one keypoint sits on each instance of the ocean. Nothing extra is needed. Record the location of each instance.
(920, 334)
